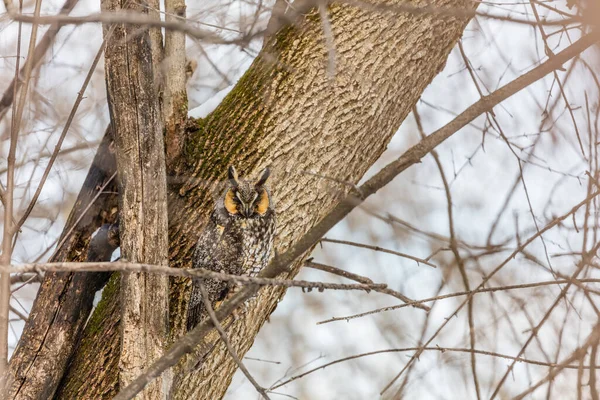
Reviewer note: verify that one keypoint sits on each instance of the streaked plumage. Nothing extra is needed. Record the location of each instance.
(237, 239)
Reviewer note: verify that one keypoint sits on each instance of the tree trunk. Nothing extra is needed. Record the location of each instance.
(64, 300)
(286, 112)
(137, 124)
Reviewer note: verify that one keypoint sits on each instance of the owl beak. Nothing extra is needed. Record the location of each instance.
(246, 212)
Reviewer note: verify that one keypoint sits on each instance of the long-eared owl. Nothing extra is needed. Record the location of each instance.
(237, 239)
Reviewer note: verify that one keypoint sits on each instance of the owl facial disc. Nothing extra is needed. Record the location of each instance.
(244, 198)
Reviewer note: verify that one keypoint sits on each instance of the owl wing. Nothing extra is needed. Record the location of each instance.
(195, 310)
(206, 255)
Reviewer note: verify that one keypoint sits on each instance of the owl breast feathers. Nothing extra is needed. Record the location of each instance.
(237, 239)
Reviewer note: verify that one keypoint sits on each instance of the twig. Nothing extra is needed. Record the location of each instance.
(381, 249)
(61, 139)
(484, 99)
(535, 330)
(486, 279)
(291, 17)
(38, 54)
(454, 248)
(261, 360)
(8, 233)
(188, 273)
(284, 16)
(24, 278)
(593, 383)
(334, 179)
(37, 157)
(362, 279)
(18, 313)
(577, 354)
(408, 8)
(561, 88)
(130, 18)
(407, 349)
(457, 294)
(225, 339)
(71, 230)
(337, 271)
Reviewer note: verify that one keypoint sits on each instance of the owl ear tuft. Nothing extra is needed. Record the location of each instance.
(233, 176)
(263, 177)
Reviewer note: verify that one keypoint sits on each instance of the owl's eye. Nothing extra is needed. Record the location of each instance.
(262, 203)
(231, 202)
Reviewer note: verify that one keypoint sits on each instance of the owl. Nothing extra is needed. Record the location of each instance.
(237, 239)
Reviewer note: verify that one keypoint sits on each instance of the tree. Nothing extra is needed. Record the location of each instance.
(325, 95)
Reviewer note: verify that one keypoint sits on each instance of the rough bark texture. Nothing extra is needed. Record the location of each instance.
(137, 125)
(175, 96)
(64, 300)
(287, 113)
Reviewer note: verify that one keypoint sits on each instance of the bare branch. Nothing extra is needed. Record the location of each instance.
(225, 339)
(452, 12)
(576, 355)
(593, 383)
(61, 139)
(39, 52)
(18, 313)
(454, 248)
(364, 280)
(581, 265)
(187, 273)
(486, 279)
(8, 233)
(24, 278)
(458, 294)
(381, 249)
(407, 349)
(130, 18)
(336, 271)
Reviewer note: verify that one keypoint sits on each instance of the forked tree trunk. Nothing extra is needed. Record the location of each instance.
(285, 112)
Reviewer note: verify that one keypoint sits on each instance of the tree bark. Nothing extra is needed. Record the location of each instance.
(64, 300)
(175, 96)
(137, 124)
(285, 111)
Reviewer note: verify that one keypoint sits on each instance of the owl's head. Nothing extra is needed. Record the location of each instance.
(247, 198)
